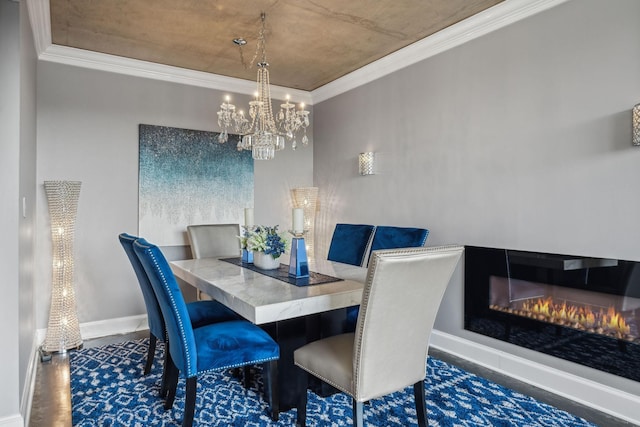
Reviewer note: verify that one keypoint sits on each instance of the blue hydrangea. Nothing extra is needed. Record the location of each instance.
(266, 239)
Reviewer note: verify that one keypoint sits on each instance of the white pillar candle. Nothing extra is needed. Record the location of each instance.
(298, 220)
(248, 217)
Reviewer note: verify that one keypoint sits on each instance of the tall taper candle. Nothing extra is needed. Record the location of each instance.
(248, 217)
(298, 220)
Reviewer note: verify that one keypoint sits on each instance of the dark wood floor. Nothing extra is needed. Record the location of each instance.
(51, 405)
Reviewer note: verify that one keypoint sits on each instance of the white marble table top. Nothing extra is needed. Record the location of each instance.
(263, 299)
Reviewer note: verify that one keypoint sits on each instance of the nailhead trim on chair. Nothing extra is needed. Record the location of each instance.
(175, 307)
(328, 381)
(271, 359)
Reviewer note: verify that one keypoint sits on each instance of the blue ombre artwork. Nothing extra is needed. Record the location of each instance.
(187, 177)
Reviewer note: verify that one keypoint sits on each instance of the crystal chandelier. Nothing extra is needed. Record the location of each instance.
(260, 132)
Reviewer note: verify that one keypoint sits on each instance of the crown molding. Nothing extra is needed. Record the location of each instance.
(485, 22)
(134, 67)
(40, 19)
(496, 17)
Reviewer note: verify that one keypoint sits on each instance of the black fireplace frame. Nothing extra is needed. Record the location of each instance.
(607, 276)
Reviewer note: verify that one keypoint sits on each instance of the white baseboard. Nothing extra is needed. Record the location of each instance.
(601, 397)
(104, 328)
(12, 421)
(121, 325)
(30, 382)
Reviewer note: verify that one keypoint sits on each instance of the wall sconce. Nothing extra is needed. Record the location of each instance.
(635, 131)
(366, 163)
(63, 330)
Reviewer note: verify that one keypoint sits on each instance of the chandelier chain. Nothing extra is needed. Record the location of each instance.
(260, 46)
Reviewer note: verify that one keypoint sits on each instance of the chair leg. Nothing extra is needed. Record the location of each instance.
(246, 376)
(270, 378)
(172, 384)
(190, 401)
(235, 372)
(150, 354)
(421, 406)
(164, 383)
(301, 420)
(358, 414)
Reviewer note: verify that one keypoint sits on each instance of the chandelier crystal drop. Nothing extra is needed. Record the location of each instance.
(260, 132)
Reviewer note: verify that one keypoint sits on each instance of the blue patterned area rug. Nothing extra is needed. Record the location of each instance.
(108, 389)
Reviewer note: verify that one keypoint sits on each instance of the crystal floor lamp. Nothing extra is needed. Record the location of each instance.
(63, 331)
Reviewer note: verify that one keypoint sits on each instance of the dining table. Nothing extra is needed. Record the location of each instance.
(294, 311)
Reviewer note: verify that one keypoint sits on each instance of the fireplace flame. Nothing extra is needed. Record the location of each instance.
(608, 322)
(614, 321)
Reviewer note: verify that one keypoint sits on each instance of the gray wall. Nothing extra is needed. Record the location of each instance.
(9, 170)
(88, 131)
(27, 191)
(519, 139)
(17, 173)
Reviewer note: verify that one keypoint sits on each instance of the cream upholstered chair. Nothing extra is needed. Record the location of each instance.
(388, 350)
(214, 240)
(386, 237)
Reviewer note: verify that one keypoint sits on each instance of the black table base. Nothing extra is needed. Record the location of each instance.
(292, 334)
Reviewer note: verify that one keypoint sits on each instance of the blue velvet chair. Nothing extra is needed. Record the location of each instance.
(349, 243)
(200, 313)
(194, 351)
(386, 237)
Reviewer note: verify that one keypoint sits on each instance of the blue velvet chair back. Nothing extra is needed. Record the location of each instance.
(349, 243)
(156, 321)
(172, 304)
(386, 237)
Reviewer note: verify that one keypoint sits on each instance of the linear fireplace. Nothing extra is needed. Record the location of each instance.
(582, 309)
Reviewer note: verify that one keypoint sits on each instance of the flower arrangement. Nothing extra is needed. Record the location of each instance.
(265, 239)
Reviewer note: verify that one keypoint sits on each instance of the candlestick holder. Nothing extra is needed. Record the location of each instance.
(298, 263)
(247, 255)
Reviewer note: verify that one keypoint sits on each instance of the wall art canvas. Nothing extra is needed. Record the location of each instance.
(187, 177)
